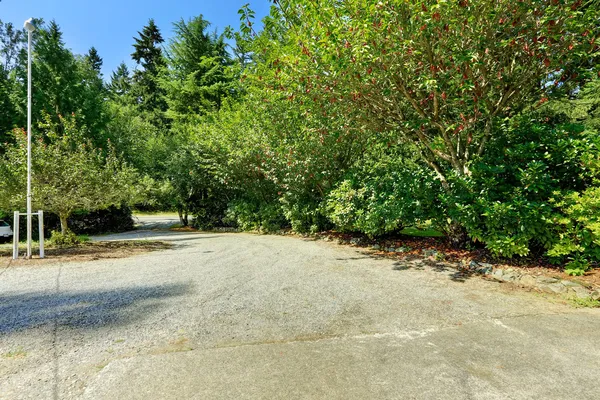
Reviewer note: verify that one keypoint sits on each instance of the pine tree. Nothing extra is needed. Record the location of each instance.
(147, 51)
(145, 89)
(94, 59)
(64, 84)
(120, 81)
(54, 72)
(6, 108)
(198, 78)
(11, 42)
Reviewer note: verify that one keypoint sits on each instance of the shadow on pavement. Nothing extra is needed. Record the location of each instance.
(189, 239)
(420, 263)
(83, 310)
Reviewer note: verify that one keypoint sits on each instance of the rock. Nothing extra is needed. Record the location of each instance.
(390, 249)
(473, 265)
(527, 280)
(375, 247)
(546, 280)
(485, 271)
(595, 295)
(552, 287)
(355, 241)
(485, 265)
(510, 276)
(558, 288)
(570, 284)
(581, 292)
(430, 253)
(497, 274)
(403, 249)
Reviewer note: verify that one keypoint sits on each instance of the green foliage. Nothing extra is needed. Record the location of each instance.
(65, 84)
(94, 59)
(386, 191)
(524, 194)
(197, 80)
(587, 303)
(61, 240)
(438, 73)
(68, 173)
(250, 216)
(120, 82)
(145, 90)
(579, 237)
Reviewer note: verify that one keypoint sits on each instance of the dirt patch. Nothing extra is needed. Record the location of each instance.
(184, 229)
(89, 251)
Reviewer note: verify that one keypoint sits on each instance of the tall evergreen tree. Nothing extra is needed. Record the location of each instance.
(120, 81)
(146, 90)
(94, 59)
(11, 42)
(6, 108)
(147, 50)
(198, 78)
(64, 84)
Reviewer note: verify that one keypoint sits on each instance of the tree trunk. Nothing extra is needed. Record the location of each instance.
(64, 225)
(183, 217)
(457, 235)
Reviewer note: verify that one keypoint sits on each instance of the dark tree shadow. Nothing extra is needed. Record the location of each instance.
(83, 310)
(420, 263)
(189, 239)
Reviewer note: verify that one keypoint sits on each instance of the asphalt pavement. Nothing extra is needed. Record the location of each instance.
(242, 316)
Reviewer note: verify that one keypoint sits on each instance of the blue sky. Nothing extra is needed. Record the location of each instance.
(110, 25)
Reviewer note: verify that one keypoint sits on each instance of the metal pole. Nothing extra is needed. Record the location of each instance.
(16, 235)
(41, 224)
(29, 144)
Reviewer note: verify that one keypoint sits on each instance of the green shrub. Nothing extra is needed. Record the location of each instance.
(385, 192)
(304, 213)
(522, 196)
(578, 241)
(251, 216)
(59, 239)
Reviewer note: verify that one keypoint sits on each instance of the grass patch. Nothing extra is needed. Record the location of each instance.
(585, 303)
(421, 232)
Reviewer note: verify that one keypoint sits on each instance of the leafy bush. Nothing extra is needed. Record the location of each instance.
(522, 196)
(60, 239)
(304, 213)
(578, 241)
(385, 192)
(112, 219)
(249, 216)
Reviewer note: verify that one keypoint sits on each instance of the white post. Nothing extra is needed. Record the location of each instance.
(29, 144)
(15, 235)
(41, 225)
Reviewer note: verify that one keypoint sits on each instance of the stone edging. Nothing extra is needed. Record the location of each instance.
(542, 283)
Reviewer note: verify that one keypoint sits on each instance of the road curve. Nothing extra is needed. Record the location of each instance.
(223, 316)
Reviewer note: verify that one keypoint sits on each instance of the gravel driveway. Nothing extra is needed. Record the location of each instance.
(240, 316)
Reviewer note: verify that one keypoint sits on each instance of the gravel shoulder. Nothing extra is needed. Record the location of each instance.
(250, 316)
